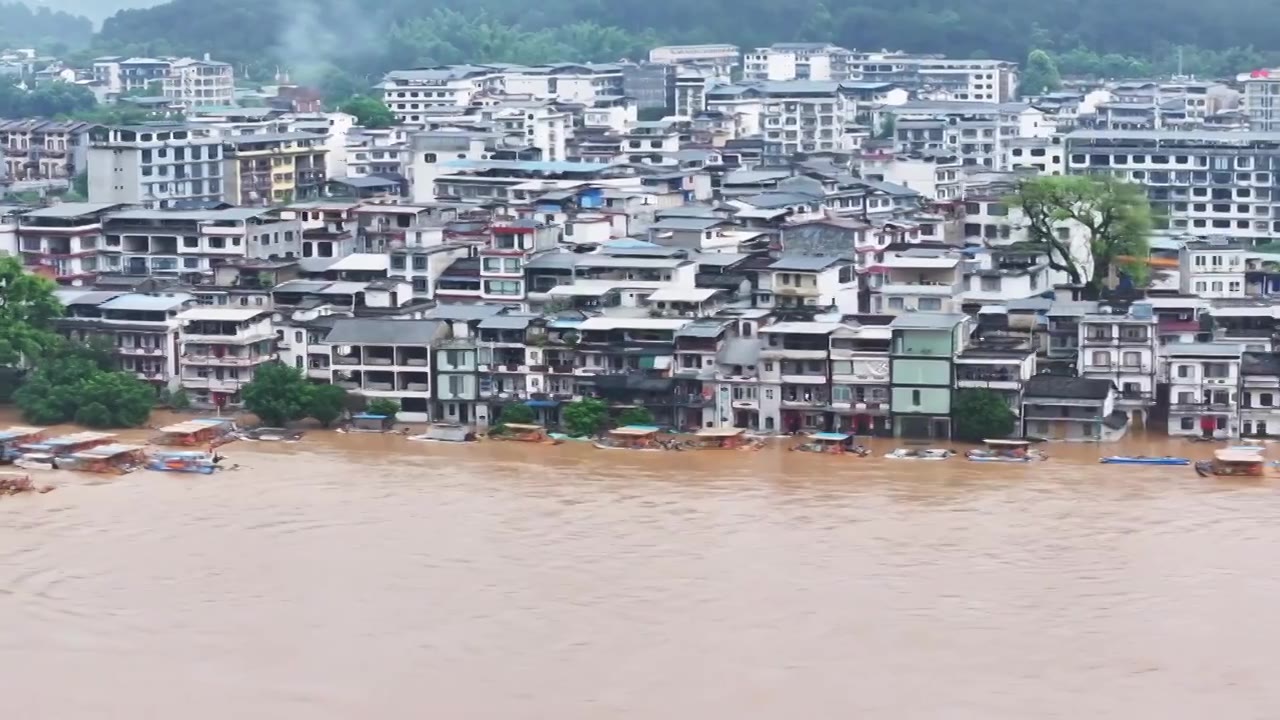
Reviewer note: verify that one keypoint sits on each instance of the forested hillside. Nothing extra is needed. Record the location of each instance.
(347, 41)
(22, 27)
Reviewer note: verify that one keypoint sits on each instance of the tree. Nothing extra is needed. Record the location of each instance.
(328, 402)
(981, 414)
(635, 416)
(69, 385)
(517, 413)
(277, 394)
(369, 112)
(179, 400)
(383, 406)
(1114, 216)
(585, 417)
(887, 127)
(28, 308)
(1040, 76)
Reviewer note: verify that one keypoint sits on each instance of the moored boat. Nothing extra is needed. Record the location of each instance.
(724, 439)
(14, 437)
(522, 432)
(1234, 462)
(184, 461)
(632, 437)
(114, 459)
(446, 432)
(831, 443)
(1143, 460)
(1005, 451)
(926, 454)
(198, 432)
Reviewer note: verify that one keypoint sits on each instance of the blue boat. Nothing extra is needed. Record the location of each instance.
(1142, 460)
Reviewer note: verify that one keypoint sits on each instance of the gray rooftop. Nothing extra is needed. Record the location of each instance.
(805, 263)
(146, 303)
(463, 312)
(687, 224)
(553, 261)
(1212, 349)
(703, 328)
(927, 321)
(507, 322)
(70, 210)
(369, 331)
(740, 351)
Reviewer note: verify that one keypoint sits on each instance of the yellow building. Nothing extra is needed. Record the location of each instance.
(274, 168)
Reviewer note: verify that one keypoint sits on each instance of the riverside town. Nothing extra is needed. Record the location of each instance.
(797, 239)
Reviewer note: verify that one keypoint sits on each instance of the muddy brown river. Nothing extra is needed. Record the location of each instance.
(358, 576)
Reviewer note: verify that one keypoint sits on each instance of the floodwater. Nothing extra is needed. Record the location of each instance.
(359, 576)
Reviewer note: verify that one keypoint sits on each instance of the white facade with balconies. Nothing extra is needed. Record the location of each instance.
(1203, 388)
(917, 280)
(1122, 348)
(389, 359)
(221, 348)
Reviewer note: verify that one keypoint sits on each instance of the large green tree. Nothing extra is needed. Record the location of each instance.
(28, 309)
(635, 416)
(585, 417)
(277, 394)
(70, 385)
(369, 112)
(978, 414)
(1114, 217)
(1040, 75)
(327, 404)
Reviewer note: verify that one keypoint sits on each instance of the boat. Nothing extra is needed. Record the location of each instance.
(927, 454)
(523, 432)
(19, 483)
(1005, 451)
(446, 432)
(1143, 460)
(11, 439)
(270, 434)
(184, 461)
(723, 439)
(368, 423)
(210, 432)
(114, 459)
(1234, 462)
(632, 437)
(37, 461)
(832, 443)
(64, 445)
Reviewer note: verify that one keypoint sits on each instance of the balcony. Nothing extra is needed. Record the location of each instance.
(228, 360)
(927, 289)
(1220, 407)
(138, 351)
(793, 291)
(1178, 326)
(1100, 339)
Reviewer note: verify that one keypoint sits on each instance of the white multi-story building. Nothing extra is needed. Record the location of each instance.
(1258, 399)
(221, 349)
(1203, 387)
(797, 61)
(389, 359)
(722, 57)
(155, 165)
(978, 132)
(1045, 155)
(1262, 99)
(990, 81)
(1122, 348)
(565, 82)
(64, 241)
(933, 174)
(142, 330)
(802, 117)
(196, 84)
(181, 243)
(536, 124)
(413, 94)
(1213, 268)
(692, 85)
(1201, 183)
(917, 280)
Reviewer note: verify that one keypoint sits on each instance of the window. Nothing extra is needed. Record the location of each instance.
(1100, 359)
(927, 304)
(895, 303)
(768, 394)
(1222, 422)
(915, 397)
(297, 336)
(1266, 400)
(1132, 360)
(1184, 371)
(1187, 423)
(502, 287)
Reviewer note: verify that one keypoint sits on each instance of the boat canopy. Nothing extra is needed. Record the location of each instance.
(18, 432)
(104, 452)
(719, 432)
(445, 432)
(830, 437)
(522, 427)
(1006, 443)
(1238, 455)
(636, 430)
